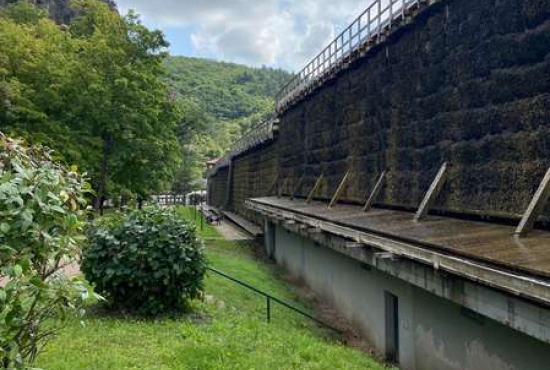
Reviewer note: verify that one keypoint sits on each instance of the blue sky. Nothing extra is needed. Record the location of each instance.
(276, 33)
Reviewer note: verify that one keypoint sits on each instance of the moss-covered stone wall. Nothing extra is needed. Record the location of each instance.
(217, 188)
(468, 83)
(254, 174)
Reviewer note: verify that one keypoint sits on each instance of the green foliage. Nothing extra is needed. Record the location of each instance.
(228, 333)
(150, 262)
(220, 102)
(92, 91)
(24, 12)
(225, 91)
(61, 11)
(42, 206)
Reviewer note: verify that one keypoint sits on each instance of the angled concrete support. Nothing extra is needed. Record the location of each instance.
(315, 188)
(282, 188)
(297, 188)
(375, 192)
(432, 194)
(273, 185)
(539, 201)
(339, 191)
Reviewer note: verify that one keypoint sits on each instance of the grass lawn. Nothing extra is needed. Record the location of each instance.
(227, 331)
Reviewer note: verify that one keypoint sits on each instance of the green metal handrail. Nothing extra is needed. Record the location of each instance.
(270, 298)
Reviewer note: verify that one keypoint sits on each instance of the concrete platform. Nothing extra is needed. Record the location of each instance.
(230, 232)
(246, 225)
(490, 243)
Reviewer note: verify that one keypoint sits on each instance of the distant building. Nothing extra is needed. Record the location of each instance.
(210, 164)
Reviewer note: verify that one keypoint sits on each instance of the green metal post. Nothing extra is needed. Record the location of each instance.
(268, 310)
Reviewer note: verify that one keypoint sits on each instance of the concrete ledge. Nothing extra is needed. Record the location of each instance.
(444, 322)
(432, 271)
(244, 224)
(509, 279)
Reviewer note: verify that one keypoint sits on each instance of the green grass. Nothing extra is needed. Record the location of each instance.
(226, 332)
(207, 231)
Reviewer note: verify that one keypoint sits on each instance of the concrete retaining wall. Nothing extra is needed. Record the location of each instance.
(435, 334)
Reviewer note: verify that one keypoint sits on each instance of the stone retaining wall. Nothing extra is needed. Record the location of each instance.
(468, 82)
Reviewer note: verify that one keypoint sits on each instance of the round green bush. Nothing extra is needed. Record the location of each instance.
(149, 262)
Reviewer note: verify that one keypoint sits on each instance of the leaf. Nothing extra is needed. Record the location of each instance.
(64, 195)
(17, 270)
(6, 249)
(57, 209)
(4, 227)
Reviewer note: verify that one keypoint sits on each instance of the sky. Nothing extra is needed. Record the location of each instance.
(276, 33)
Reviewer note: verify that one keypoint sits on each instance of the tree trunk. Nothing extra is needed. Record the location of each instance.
(140, 203)
(102, 206)
(6, 361)
(102, 181)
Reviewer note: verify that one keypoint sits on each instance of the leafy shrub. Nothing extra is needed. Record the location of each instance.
(42, 207)
(149, 262)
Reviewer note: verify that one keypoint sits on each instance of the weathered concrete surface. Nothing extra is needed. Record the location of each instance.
(468, 83)
(479, 242)
(506, 296)
(435, 334)
(230, 232)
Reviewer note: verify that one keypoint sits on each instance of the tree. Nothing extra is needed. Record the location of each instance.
(137, 119)
(93, 92)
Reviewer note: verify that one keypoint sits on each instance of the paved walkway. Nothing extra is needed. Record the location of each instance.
(231, 232)
(70, 270)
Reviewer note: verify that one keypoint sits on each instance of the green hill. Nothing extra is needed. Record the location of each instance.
(221, 101)
(225, 91)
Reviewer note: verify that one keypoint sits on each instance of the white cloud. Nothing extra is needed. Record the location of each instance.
(284, 33)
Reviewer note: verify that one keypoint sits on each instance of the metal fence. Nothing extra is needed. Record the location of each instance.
(258, 134)
(168, 199)
(374, 22)
(269, 299)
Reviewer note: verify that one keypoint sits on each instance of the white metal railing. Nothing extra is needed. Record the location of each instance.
(378, 18)
(259, 134)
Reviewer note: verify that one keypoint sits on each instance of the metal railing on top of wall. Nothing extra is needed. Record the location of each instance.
(258, 134)
(377, 19)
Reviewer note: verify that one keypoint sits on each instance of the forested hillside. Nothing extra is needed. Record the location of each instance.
(62, 11)
(220, 101)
